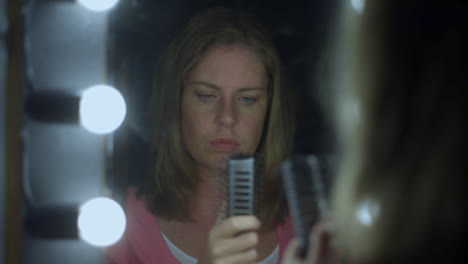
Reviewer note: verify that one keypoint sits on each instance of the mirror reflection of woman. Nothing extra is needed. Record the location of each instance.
(219, 91)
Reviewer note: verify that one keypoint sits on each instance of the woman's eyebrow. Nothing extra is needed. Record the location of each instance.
(215, 87)
(209, 85)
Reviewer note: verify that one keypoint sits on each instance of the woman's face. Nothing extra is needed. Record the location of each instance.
(224, 103)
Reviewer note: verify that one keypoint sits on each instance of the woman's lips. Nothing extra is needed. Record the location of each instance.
(227, 145)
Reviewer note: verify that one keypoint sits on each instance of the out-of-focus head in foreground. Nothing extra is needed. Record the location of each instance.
(400, 80)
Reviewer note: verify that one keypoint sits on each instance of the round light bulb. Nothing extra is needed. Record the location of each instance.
(101, 222)
(98, 5)
(102, 109)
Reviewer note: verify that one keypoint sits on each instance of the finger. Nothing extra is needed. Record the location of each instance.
(233, 225)
(290, 254)
(230, 246)
(320, 237)
(247, 257)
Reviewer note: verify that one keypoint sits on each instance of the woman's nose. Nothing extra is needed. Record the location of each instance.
(226, 116)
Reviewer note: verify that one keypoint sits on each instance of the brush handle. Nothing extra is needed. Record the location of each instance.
(306, 195)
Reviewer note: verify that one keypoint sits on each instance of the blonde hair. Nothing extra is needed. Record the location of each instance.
(402, 113)
(172, 184)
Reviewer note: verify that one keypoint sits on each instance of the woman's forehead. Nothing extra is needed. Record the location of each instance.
(230, 65)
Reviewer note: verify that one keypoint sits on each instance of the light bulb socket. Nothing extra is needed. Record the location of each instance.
(53, 222)
(53, 107)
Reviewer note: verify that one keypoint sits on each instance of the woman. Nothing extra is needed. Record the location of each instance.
(220, 91)
(401, 106)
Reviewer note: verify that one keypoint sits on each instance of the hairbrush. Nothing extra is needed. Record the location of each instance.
(240, 185)
(306, 193)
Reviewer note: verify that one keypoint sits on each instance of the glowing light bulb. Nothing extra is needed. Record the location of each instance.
(101, 222)
(102, 109)
(98, 5)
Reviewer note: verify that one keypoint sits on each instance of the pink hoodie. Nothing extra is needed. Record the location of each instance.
(143, 243)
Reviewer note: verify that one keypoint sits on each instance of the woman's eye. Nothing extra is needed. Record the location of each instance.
(206, 97)
(247, 100)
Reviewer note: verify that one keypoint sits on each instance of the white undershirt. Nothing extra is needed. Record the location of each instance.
(186, 259)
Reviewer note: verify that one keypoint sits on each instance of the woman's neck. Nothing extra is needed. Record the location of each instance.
(204, 211)
(209, 195)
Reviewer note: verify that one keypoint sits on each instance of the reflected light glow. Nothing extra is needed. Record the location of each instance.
(102, 109)
(98, 5)
(367, 212)
(358, 5)
(101, 222)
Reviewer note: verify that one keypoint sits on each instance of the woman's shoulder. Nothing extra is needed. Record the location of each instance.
(285, 230)
(285, 233)
(140, 221)
(142, 235)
